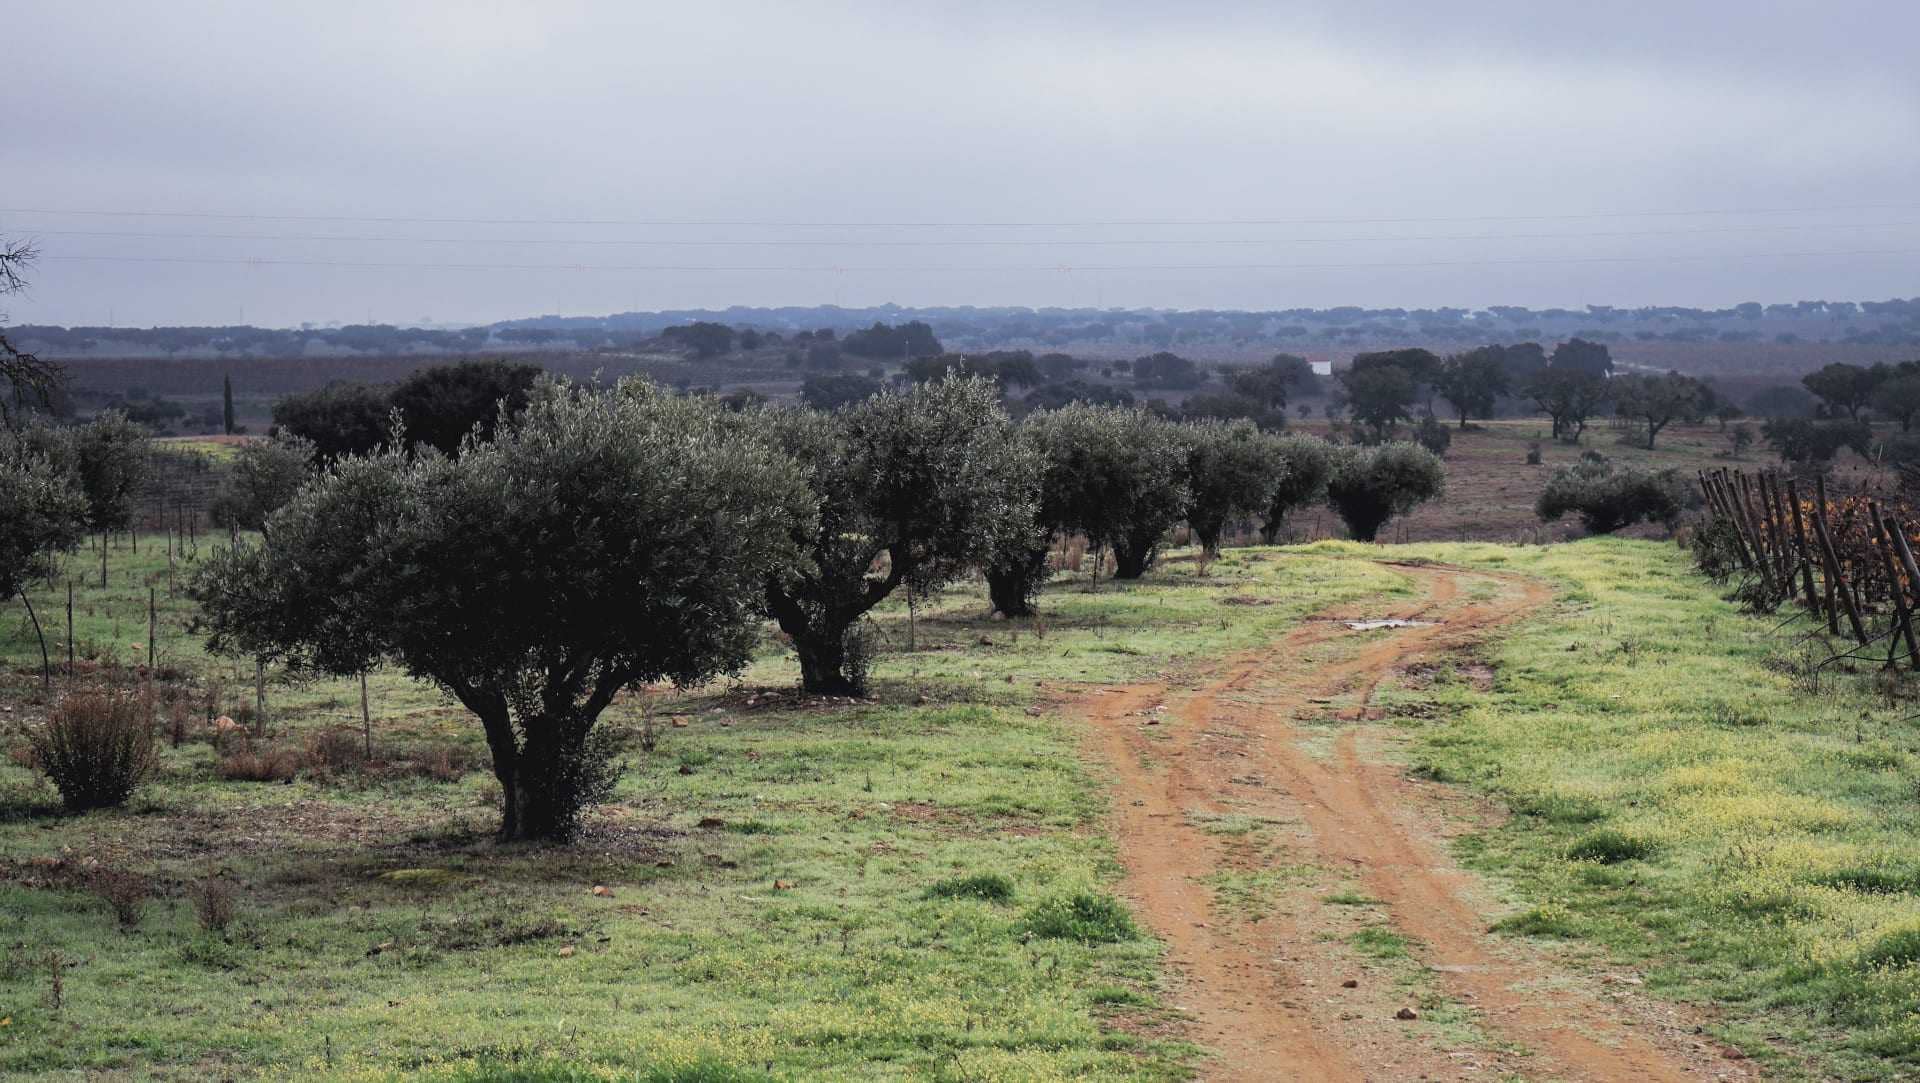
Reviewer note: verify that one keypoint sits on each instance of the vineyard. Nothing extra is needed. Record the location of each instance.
(1847, 558)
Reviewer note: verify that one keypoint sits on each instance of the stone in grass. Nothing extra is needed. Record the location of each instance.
(1406, 1014)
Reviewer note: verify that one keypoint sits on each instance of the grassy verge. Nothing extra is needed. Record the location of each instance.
(912, 887)
(1686, 797)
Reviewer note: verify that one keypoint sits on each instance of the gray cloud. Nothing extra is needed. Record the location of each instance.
(1495, 115)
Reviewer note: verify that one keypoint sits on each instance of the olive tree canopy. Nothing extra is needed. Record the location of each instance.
(1117, 475)
(1309, 464)
(1233, 472)
(603, 540)
(41, 513)
(930, 478)
(1371, 485)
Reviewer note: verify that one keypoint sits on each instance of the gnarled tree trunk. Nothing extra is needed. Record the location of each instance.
(1011, 583)
(1134, 554)
(823, 663)
(1208, 532)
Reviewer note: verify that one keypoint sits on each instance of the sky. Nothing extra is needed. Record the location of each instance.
(193, 162)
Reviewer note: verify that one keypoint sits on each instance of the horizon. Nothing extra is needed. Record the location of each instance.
(904, 311)
(300, 167)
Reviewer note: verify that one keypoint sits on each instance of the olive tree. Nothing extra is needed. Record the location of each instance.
(1018, 564)
(1371, 485)
(106, 458)
(1658, 401)
(930, 478)
(603, 540)
(1117, 475)
(1309, 464)
(1233, 471)
(1608, 497)
(264, 475)
(441, 404)
(42, 514)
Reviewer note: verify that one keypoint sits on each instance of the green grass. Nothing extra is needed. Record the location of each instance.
(911, 887)
(1377, 943)
(918, 886)
(987, 886)
(1684, 804)
(1082, 916)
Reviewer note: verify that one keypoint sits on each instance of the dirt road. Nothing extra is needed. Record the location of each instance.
(1301, 881)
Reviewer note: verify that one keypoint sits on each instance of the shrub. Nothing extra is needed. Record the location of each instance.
(262, 477)
(213, 903)
(441, 763)
(334, 751)
(1716, 549)
(987, 886)
(1610, 847)
(269, 765)
(1608, 497)
(1082, 916)
(95, 748)
(1547, 921)
(1899, 948)
(1433, 436)
(1371, 485)
(125, 893)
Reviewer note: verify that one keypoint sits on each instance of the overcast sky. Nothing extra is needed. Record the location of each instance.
(1258, 155)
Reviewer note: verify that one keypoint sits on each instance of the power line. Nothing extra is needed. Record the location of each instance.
(1208, 242)
(1061, 267)
(1067, 224)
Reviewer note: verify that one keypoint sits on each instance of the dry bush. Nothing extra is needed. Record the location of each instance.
(334, 751)
(179, 717)
(22, 756)
(439, 762)
(214, 903)
(96, 748)
(265, 765)
(125, 893)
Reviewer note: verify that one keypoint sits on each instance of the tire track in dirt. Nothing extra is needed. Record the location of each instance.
(1274, 993)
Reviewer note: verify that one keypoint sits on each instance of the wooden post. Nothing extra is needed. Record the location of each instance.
(1828, 602)
(152, 623)
(103, 560)
(1732, 516)
(1800, 541)
(1883, 541)
(69, 629)
(366, 715)
(1762, 560)
(1777, 532)
(46, 664)
(259, 698)
(1833, 572)
(1905, 553)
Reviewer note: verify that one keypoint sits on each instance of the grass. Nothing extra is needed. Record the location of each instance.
(990, 887)
(914, 886)
(1684, 804)
(917, 885)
